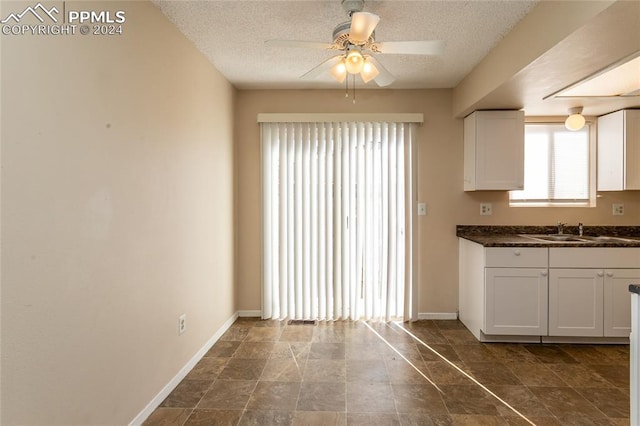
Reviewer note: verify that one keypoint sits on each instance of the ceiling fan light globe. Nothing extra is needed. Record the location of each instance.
(338, 72)
(362, 26)
(354, 62)
(369, 72)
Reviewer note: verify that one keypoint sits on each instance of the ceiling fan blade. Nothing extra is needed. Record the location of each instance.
(322, 68)
(427, 47)
(362, 26)
(300, 43)
(384, 78)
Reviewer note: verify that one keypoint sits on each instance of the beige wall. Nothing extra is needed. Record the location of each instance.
(117, 195)
(440, 186)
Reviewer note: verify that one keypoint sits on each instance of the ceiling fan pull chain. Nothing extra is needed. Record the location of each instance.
(346, 87)
(354, 88)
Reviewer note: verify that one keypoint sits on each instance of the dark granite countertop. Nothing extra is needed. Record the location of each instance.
(528, 236)
(634, 288)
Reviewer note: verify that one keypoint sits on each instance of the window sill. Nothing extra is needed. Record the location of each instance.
(586, 204)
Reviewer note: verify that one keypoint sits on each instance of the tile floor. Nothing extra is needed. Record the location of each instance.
(337, 373)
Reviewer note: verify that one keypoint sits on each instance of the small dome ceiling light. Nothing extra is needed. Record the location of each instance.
(575, 121)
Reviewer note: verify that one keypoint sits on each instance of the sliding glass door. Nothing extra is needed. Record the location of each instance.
(336, 205)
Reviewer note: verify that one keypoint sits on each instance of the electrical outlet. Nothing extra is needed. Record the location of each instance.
(486, 209)
(422, 209)
(618, 209)
(182, 323)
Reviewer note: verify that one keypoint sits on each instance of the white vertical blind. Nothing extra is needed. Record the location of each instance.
(334, 212)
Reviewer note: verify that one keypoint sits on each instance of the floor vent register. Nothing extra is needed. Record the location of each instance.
(302, 322)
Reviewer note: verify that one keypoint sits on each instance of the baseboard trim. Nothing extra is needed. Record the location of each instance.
(169, 387)
(250, 314)
(421, 316)
(437, 316)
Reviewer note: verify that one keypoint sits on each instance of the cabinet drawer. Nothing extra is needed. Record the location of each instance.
(594, 257)
(516, 257)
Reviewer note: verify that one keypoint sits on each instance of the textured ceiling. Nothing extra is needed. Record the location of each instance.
(232, 35)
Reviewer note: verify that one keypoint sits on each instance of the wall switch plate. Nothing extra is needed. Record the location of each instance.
(486, 209)
(618, 209)
(182, 323)
(422, 209)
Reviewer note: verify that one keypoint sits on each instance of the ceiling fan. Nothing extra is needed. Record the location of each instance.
(355, 39)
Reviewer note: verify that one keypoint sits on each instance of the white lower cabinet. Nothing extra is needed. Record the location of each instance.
(589, 291)
(617, 301)
(634, 359)
(516, 301)
(576, 302)
(503, 291)
(549, 294)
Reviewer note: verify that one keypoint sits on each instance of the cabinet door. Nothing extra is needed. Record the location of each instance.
(611, 152)
(632, 149)
(494, 150)
(617, 301)
(576, 302)
(619, 151)
(515, 301)
(634, 359)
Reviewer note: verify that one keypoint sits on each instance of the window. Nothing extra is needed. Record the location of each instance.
(557, 167)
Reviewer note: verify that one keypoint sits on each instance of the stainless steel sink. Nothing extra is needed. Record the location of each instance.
(556, 238)
(560, 237)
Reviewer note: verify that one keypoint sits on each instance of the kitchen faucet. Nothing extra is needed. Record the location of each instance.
(561, 227)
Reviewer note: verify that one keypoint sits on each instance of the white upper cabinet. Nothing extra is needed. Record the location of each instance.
(619, 151)
(494, 150)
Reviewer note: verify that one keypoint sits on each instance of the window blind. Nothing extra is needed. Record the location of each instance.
(336, 198)
(556, 165)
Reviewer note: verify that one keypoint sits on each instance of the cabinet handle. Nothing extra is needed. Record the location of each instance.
(601, 274)
(516, 252)
(609, 274)
(544, 273)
